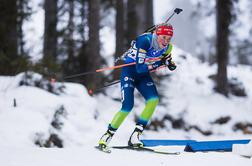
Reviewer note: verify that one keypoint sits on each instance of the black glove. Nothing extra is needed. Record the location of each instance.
(171, 66)
(165, 59)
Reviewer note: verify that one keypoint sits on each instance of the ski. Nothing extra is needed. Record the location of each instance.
(146, 149)
(103, 148)
(245, 156)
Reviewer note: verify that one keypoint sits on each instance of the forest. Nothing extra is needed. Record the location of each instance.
(71, 42)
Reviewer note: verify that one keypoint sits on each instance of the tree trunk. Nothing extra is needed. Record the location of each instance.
(70, 39)
(142, 15)
(50, 33)
(20, 21)
(139, 17)
(93, 44)
(82, 29)
(132, 21)
(120, 32)
(8, 37)
(149, 13)
(83, 15)
(222, 47)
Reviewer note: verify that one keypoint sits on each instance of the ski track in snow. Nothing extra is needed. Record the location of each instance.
(89, 156)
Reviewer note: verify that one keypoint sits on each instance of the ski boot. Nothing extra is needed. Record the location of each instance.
(134, 138)
(104, 141)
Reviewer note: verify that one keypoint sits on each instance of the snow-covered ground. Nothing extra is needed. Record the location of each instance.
(88, 156)
(79, 119)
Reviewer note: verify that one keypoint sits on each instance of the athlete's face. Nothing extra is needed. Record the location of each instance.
(163, 40)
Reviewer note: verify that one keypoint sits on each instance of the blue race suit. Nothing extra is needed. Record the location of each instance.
(138, 76)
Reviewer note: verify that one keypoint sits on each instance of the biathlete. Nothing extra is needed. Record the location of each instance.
(156, 45)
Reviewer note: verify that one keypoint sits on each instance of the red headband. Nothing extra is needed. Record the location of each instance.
(164, 30)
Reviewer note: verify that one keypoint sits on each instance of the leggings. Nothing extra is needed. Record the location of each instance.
(143, 82)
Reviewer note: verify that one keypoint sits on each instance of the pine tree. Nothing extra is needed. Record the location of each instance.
(120, 33)
(131, 21)
(139, 17)
(8, 37)
(24, 13)
(70, 62)
(93, 57)
(50, 37)
(82, 30)
(149, 13)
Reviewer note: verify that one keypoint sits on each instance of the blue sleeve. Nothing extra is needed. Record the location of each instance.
(142, 45)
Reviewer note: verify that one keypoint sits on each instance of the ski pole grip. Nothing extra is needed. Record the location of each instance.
(178, 10)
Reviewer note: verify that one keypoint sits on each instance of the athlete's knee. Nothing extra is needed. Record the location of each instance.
(127, 107)
(127, 104)
(153, 101)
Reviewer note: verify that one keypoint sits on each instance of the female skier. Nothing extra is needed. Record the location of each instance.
(146, 46)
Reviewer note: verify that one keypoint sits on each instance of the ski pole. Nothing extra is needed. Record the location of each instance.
(53, 79)
(98, 70)
(108, 68)
(127, 64)
(176, 11)
(92, 91)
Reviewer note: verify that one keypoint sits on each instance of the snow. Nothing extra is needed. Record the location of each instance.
(244, 18)
(90, 156)
(187, 93)
(244, 150)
